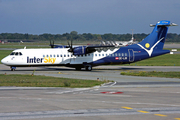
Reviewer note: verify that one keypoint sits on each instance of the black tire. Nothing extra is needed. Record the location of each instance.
(88, 68)
(13, 68)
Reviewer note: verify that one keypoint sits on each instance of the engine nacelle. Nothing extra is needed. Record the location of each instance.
(79, 50)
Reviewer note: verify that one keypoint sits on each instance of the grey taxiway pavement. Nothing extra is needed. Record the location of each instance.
(135, 98)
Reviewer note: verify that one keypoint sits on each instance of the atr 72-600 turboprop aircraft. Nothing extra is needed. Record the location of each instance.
(90, 56)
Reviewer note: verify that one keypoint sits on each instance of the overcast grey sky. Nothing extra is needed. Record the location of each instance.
(86, 16)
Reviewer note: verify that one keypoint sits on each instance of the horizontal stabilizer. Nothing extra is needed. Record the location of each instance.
(164, 23)
(157, 38)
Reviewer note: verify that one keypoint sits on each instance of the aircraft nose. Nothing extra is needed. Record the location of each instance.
(4, 61)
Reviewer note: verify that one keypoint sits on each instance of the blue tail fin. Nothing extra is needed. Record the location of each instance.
(157, 38)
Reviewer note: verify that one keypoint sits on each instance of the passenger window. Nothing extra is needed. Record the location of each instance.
(122, 54)
(112, 55)
(67, 55)
(64, 55)
(57, 55)
(61, 55)
(99, 54)
(50, 55)
(95, 54)
(115, 54)
(47, 55)
(119, 54)
(102, 54)
(43, 56)
(54, 55)
(125, 54)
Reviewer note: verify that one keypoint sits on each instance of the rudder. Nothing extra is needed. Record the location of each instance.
(157, 38)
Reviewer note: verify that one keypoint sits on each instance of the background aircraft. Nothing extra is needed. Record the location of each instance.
(103, 43)
(89, 56)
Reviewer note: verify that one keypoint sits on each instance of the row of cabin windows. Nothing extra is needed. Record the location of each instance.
(113, 55)
(110, 55)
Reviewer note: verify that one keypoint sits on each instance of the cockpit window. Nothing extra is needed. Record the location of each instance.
(16, 53)
(20, 53)
(12, 53)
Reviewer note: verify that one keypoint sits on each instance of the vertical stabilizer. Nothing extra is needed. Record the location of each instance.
(157, 38)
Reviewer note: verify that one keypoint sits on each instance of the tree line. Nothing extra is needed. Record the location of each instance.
(171, 37)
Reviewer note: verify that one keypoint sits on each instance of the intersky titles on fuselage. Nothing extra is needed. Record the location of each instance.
(40, 60)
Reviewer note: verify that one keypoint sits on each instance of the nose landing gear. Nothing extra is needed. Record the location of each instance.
(13, 68)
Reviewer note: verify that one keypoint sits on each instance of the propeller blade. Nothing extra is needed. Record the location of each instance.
(70, 46)
(71, 43)
(52, 45)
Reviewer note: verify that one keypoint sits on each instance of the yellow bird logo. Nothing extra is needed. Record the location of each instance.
(147, 45)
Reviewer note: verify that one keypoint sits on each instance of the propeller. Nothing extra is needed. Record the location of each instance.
(52, 45)
(70, 47)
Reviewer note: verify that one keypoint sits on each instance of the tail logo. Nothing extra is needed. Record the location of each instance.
(151, 50)
(147, 45)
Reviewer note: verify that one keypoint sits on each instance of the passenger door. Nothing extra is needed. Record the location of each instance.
(131, 55)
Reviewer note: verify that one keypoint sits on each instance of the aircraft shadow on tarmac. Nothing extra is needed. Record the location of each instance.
(71, 69)
(118, 68)
(83, 70)
(42, 69)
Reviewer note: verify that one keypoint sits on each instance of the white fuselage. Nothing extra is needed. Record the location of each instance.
(48, 57)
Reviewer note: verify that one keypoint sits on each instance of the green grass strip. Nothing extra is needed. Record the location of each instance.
(163, 60)
(152, 74)
(4, 53)
(45, 81)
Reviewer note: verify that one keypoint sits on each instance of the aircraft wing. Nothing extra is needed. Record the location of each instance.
(88, 46)
(81, 50)
(93, 48)
(100, 46)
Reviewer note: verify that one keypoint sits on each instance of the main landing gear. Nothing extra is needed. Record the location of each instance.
(87, 68)
(13, 68)
(78, 68)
